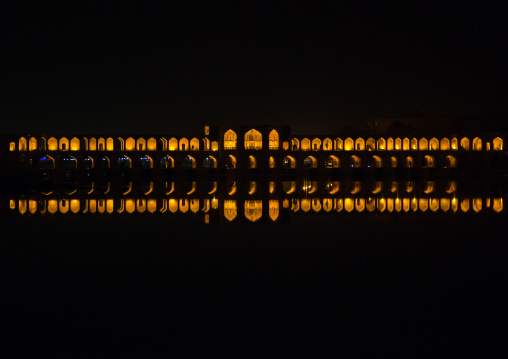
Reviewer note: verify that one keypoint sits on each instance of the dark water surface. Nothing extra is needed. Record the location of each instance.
(381, 285)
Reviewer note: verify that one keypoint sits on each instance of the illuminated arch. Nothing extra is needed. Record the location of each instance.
(46, 162)
(151, 144)
(477, 144)
(338, 145)
(253, 140)
(327, 144)
(333, 187)
(22, 144)
(167, 162)
(252, 162)
(316, 144)
(310, 162)
(406, 146)
(332, 162)
(130, 144)
(189, 162)
(194, 144)
(305, 144)
(289, 162)
(370, 144)
(230, 162)
(377, 162)
(32, 144)
(273, 140)
(110, 144)
(349, 144)
(101, 144)
(145, 162)
(428, 162)
(74, 144)
(497, 144)
(124, 162)
(295, 144)
(63, 144)
(424, 144)
(104, 162)
(454, 143)
(410, 162)
(271, 162)
(434, 144)
(389, 144)
(52, 144)
(393, 162)
(360, 144)
(445, 144)
(88, 163)
(69, 163)
(253, 210)
(12, 146)
(355, 161)
(184, 144)
(141, 144)
(398, 144)
(92, 144)
(450, 161)
(173, 144)
(210, 162)
(230, 140)
(464, 143)
(381, 144)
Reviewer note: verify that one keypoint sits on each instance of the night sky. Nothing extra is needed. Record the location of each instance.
(100, 66)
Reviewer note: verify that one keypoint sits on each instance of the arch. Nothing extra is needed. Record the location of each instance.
(145, 162)
(210, 162)
(305, 144)
(450, 161)
(130, 144)
(74, 144)
(42, 144)
(273, 140)
(230, 210)
(22, 144)
(12, 146)
(327, 144)
(398, 144)
(497, 144)
(124, 162)
(52, 144)
(333, 187)
(389, 144)
(173, 144)
(101, 144)
(194, 144)
(414, 144)
(464, 143)
(428, 162)
(167, 162)
(360, 144)
(206, 144)
(183, 144)
(105, 163)
(349, 144)
(376, 162)
(32, 144)
(445, 144)
(189, 162)
(253, 210)
(253, 140)
(370, 144)
(434, 144)
(381, 144)
(394, 162)
(230, 162)
(410, 163)
(406, 144)
(423, 145)
(477, 144)
(92, 144)
(69, 163)
(332, 162)
(46, 162)
(355, 161)
(338, 144)
(316, 144)
(271, 162)
(289, 186)
(141, 144)
(88, 163)
(454, 143)
(110, 144)
(252, 162)
(63, 144)
(151, 144)
(497, 204)
(230, 140)
(273, 209)
(289, 162)
(295, 144)
(310, 162)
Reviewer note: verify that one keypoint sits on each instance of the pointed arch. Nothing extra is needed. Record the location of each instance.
(22, 144)
(464, 143)
(338, 144)
(389, 144)
(253, 140)
(184, 144)
(173, 144)
(124, 162)
(110, 144)
(410, 162)
(477, 144)
(273, 140)
(377, 162)
(355, 161)
(189, 162)
(194, 144)
(316, 144)
(428, 162)
(52, 144)
(75, 144)
(210, 162)
(32, 144)
(445, 144)
(434, 144)
(327, 144)
(497, 144)
(167, 162)
(230, 162)
(295, 144)
(370, 144)
(141, 144)
(381, 144)
(305, 144)
(252, 162)
(88, 163)
(289, 162)
(398, 144)
(63, 144)
(450, 161)
(360, 144)
(424, 144)
(349, 144)
(145, 162)
(230, 139)
(151, 144)
(310, 162)
(130, 144)
(332, 162)
(405, 144)
(101, 144)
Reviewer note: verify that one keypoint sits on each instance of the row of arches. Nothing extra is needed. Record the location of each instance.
(253, 140)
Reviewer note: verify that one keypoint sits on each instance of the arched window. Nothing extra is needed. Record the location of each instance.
(253, 140)
(252, 162)
(398, 144)
(22, 144)
(145, 162)
(101, 144)
(289, 162)
(130, 144)
(75, 144)
(305, 144)
(316, 144)
(360, 144)
(497, 144)
(88, 163)
(52, 144)
(184, 144)
(371, 144)
(414, 144)
(327, 144)
(338, 144)
(477, 144)
(445, 144)
(230, 140)
(273, 140)
(32, 144)
(332, 162)
(46, 162)
(381, 144)
(167, 162)
(310, 162)
(405, 144)
(173, 144)
(124, 162)
(194, 144)
(189, 162)
(424, 144)
(141, 144)
(92, 144)
(454, 143)
(349, 144)
(434, 144)
(389, 144)
(295, 144)
(464, 143)
(210, 162)
(64, 144)
(110, 144)
(69, 163)
(151, 144)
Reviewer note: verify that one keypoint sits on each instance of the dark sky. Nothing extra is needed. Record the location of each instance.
(128, 67)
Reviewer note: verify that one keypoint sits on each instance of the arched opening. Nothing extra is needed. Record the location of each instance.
(316, 144)
(497, 144)
(327, 144)
(393, 162)
(370, 144)
(167, 162)
(289, 162)
(206, 144)
(12, 146)
(88, 163)
(124, 162)
(145, 162)
(46, 163)
(151, 144)
(101, 144)
(454, 143)
(22, 144)
(305, 144)
(52, 144)
(69, 163)
(360, 144)
(338, 145)
(63, 144)
(410, 162)
(110, 144)
(252, 162)
(414, 144)
(381, 144)
(389, 144)
(184, 144)
(424, 144)
(464, 143)
(376, 162)
(445, 144)
(273, 209)
(230, 210)
(450, 162)
(230, 162)
(405, 144)
(271, 162)
(289, 186)
(75, 144)
(355, 161)
(295, 144)
(189, 162)
(349, 144)
(332, 162)
(104, 163)
(398, 144)
(333, 187)
(477, 144)
(32, 144)
(230, 140)
(377, 187)
(310, 162)
(130, 144)
(253, 140)
(173, 144)
(92, 145)
(210, 162)
(428, 162)
(253, 210)
(273, 140)
(434, 144)
(194, 144)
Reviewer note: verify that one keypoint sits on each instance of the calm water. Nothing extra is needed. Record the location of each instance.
(412, 284)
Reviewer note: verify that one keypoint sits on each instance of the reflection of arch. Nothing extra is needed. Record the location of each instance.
(464, 143)
(52, 144)
(445, 144)
(349, 144)
(289, 186)
(332, 162)
(146, 162)
(295, 144)
(393, 162)
(63, 144)
(428, 162)
(124, 162)
(230, 162)
(333, 187)
(69, 163)
(405, 144)
(338, 145)
(75, 144)
(151, 144)
(253, 140)
(273, 209)
(360, 144)
(173, 144)
(230, 210)
(230, 140)
(377, 162)
(184, 144)
(497, 144)
(253, 210)
(477, 144)
(46, 162)
(130, 144)
(381, 144)
(409, 162)
(32, 144)
(450, 161)
(370, 144)
(22, 144)
(88, 163)
(424, 144)
(194, 144)
(310, 162)
(289, 162)
(454, 143)
(273, 140)
(210, 162)
(327, 144)
(189, 162)
(271, 162)
(167, 162)
(414, 144)
(252, 162)
(305, 144)
(355, 161)
(316, 144)
(434, 144)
